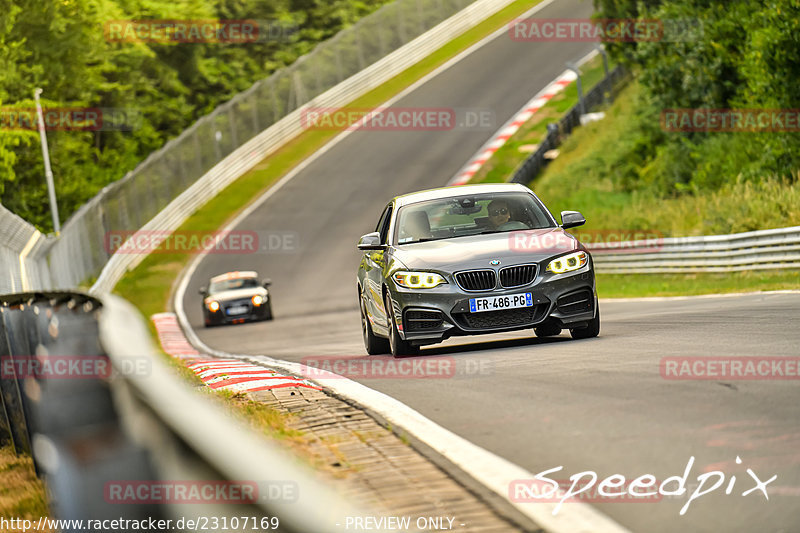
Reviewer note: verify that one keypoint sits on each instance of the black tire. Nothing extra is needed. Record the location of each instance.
(593, 330)
(268, 314)
(397, 345)
(372, 343)
(548, 329)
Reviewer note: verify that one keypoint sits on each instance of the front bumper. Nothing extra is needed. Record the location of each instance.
(428, 316)
(222, 315)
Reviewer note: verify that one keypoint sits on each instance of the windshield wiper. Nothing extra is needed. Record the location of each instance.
(427, 239)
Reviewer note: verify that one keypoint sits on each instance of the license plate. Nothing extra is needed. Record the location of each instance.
(238, 310)
(498, 303)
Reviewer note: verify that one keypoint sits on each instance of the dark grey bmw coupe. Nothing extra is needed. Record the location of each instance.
(469, 260)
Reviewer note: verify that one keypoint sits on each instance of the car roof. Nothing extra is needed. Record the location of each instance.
(235, 275)
(458, 190)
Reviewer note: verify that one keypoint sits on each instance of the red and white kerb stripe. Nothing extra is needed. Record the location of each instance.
(511, 127)
(171, 337)
(240, 376)
(223, 374)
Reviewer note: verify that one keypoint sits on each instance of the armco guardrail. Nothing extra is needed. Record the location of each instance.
(753, 250)
(94, 430)
(603, 91)
(190, 169)
(20, 243)
(246, 156)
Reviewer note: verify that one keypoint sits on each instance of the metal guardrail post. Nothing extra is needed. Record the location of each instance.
(66, 420)
(581, 102)
(8, 428)
(137, 424)
(11, 384)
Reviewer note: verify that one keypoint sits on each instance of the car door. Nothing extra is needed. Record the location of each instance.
(374, 262)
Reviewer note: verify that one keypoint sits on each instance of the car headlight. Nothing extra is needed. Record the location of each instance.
(568, 263)
(418, 280)
(213, 306)
(258, 300)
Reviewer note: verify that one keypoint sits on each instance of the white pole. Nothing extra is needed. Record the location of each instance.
(48, 173)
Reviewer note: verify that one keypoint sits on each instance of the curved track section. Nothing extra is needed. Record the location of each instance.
(601, 404)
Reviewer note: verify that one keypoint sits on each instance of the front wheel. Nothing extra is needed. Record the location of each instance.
(593, 330)
(398, 346)
(372, 343)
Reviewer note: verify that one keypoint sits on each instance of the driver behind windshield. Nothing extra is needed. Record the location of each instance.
(498, 213)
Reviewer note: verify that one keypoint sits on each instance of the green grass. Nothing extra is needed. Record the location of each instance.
(149, 285)
(636, 285)
(508, 157)
(22, 494)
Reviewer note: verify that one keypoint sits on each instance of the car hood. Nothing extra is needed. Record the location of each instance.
(510, 248)
(237, 294)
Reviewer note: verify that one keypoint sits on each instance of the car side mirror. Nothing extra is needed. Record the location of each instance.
(266, 283)
(203, 291)
(370, 241)
(571, 219)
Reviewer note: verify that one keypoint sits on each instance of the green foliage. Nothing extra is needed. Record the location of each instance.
(61, 46)
(599, 165)
(740, 54)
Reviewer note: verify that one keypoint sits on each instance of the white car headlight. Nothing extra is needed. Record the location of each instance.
(418, 280)
(568, 263)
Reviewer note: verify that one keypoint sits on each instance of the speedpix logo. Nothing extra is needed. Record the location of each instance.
(643, 488)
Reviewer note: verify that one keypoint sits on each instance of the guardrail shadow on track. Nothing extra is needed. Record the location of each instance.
(84, 389)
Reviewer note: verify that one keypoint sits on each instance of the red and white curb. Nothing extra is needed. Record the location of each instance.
(171, 337)
(220, 374)
(510, 128)
(239, 376)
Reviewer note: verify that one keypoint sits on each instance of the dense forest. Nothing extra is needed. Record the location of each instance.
(66, 48)
(721, 55)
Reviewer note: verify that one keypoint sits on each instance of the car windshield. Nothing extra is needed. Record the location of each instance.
(470, 215)
(232, 284)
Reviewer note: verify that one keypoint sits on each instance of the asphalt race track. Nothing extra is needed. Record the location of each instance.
(599, 404)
